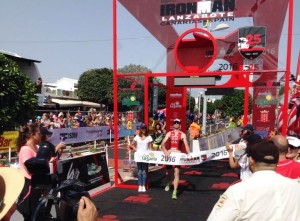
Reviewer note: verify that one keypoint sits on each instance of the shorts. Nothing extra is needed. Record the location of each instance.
(157, 147)
(168, 167)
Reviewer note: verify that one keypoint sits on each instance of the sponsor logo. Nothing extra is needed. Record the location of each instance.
(264, 116)
(68, 135)
(252, 41)
(184, 159)
(186, 12)
(94, 131)
(149, 157)
(261, 101)
(73, 173)
(268, 84)
(203, 157)
(175, 105)
(176, 95)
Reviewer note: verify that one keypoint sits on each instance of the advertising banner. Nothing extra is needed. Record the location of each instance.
(158, 157)
(264, 105)
(175, 107)
(84, 134)
(90, 169)
(9, 140)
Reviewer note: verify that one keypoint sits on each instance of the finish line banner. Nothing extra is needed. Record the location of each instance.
(158, 157)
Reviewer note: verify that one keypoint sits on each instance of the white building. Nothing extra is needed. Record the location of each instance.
(63, 93)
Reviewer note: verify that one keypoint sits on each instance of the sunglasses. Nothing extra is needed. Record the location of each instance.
(176, 122)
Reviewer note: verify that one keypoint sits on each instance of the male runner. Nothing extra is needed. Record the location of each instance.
(176, 137)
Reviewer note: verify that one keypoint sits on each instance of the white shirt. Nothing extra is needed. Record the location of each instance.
(142, 145)
(265, 196)
(245, 171)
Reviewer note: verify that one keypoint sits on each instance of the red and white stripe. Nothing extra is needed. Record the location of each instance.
(279, 120)
(292, 119)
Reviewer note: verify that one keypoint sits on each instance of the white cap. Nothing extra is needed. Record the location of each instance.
(178, 120)
(294, 141)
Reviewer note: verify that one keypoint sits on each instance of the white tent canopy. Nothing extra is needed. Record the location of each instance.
(71, 103)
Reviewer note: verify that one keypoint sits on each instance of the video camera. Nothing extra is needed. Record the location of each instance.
(65, 196)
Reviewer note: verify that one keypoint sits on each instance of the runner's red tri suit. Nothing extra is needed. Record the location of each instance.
(175, 140)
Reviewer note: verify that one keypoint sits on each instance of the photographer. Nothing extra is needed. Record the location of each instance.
(72, 201)
(46, 134)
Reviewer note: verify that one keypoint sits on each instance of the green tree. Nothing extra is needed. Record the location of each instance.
(211, 107)
(234, 105)
(190, 102)
(161, 96)
(17, 96)
(96, 85)
(218, 104)
(137, 80)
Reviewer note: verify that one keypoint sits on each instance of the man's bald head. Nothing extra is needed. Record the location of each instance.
(281, 142)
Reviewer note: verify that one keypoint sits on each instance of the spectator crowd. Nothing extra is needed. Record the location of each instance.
(92, 118)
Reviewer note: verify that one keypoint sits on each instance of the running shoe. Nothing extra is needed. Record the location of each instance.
(167, 188)
(174, 195)
(140, 189)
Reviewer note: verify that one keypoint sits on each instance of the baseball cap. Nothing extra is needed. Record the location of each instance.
(293, 141)
(248, 127)
(265, 152)
(11, 183)
(143, 126)
(45, 131)
(176, 121)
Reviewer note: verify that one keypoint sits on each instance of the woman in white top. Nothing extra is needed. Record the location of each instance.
(241, 160)
(142, 142)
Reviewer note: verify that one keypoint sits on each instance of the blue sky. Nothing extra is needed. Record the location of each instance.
(70, 37)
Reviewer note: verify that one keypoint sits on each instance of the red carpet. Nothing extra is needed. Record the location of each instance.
(199, 189)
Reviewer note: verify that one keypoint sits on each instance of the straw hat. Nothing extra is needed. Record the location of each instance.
(11, 185)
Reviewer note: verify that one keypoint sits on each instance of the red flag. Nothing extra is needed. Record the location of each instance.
(279, 120)
(292, 119)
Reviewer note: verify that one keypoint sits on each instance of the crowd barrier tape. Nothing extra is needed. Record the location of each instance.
(85, 134)
(194, 158)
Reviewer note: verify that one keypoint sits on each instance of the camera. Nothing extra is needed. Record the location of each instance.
(65, 196)
(71, 192)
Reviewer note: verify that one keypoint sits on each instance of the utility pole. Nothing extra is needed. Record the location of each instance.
(204, 114)
(155, 96)
(199, 104)
(190, 101)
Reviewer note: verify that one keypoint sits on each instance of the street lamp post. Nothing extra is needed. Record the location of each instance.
(204, 113)
(190, 100)
(199, 105)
